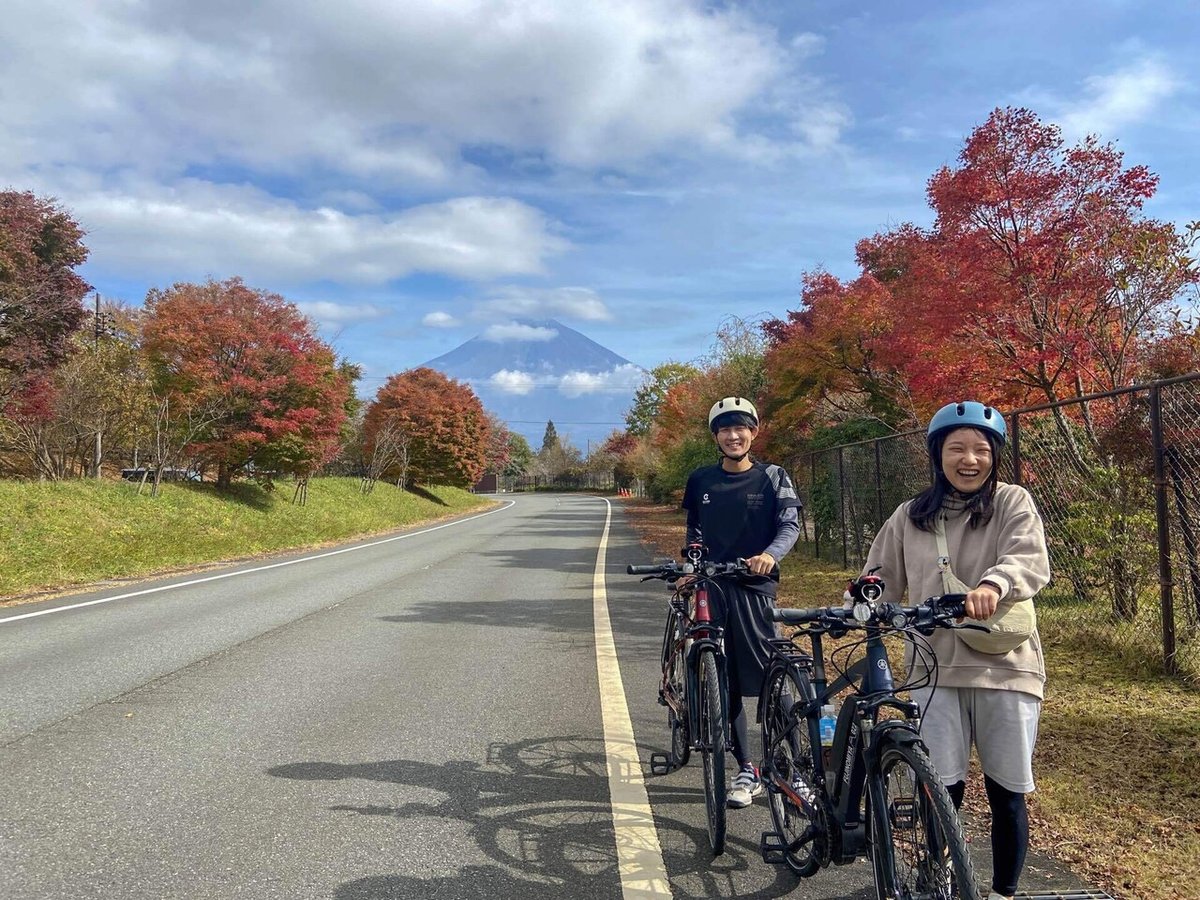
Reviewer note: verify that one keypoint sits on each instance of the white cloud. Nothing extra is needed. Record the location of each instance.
(439, 319)
(329, 313)
(196, 229)
(626, 378)
(568, 302)
(1126, 96)
(513, 382)
(514, 331)
(372, 88)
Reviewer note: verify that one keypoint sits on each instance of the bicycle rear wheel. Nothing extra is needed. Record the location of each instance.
(712, 737)
(674, 664)
(789, 772)
(918, 851)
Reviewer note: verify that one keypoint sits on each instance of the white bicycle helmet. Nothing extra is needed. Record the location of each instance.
(732, 411)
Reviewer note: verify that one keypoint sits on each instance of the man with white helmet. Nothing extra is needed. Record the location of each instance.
(742, 508)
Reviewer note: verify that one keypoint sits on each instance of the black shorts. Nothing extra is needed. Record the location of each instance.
(743, 615)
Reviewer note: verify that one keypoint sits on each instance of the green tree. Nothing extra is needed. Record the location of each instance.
(550, 438)
(520, 455)
(648, 398)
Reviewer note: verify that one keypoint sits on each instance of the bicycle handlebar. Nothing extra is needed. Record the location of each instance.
(669, 570)
(936, 611)
(642, 570)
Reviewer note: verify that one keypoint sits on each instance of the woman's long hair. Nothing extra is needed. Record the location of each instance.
(926, 505)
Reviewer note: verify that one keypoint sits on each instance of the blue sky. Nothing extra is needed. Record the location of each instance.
(414, 173)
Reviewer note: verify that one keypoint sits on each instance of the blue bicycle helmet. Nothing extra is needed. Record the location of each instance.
(966, 414)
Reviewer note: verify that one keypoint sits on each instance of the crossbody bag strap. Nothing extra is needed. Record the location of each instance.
(950, 582)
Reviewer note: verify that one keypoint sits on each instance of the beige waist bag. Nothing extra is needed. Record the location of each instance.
(1013, 622)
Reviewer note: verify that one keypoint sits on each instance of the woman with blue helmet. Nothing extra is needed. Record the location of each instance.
(971, 533)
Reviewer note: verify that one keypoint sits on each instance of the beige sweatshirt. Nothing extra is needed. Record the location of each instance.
(1009, 551)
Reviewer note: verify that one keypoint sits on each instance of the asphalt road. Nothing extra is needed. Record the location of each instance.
(419, 717)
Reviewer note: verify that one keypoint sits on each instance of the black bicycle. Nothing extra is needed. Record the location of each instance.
(694, 688)
(878, 794)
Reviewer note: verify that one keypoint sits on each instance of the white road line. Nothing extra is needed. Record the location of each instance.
(639, 854)
(289, 562)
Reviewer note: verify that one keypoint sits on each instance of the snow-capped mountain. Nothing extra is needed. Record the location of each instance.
(529, 371)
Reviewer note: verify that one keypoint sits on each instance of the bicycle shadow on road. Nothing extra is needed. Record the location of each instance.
(539, 815)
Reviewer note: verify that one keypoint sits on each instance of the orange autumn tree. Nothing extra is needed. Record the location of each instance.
(832, 360)
(247, 373)
(441, 422)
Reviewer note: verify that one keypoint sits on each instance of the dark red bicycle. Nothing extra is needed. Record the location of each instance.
(694, 688)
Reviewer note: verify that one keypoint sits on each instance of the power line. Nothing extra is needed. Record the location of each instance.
(555, 421)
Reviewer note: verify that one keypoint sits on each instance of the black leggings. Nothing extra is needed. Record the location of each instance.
(1010, 832)
(737, 728)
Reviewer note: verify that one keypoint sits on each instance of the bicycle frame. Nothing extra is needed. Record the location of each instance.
(858, 729)
(699, 635)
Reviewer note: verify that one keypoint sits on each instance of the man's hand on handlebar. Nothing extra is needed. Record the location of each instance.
(761, 564)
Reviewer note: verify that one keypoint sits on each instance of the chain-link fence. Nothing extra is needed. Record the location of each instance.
(1116, 477)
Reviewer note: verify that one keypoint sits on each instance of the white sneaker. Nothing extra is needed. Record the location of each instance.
(746, 785)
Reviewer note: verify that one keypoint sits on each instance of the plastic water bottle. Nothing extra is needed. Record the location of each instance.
(828, 726)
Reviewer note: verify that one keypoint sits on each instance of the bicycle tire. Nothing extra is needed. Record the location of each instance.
(674, 665)
(928, 857)
(788, 762)
(712, 750)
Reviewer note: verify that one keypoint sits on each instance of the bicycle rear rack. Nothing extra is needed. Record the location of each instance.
(790, 651)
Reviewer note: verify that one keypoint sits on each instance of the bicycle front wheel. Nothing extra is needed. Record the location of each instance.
(790, 772)
(712, 749)
(918, 851)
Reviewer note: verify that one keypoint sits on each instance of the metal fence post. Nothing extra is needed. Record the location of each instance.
(1016, 447)
(842, 507)
(878, 487)
(1164, 535)
(812, 498)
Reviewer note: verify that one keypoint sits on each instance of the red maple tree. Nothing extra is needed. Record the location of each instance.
(248, 365)
(447, 431)
(1039, 280)
(41, 245)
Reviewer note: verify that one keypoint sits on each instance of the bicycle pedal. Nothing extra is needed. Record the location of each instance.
(660, 764)
(773, 848)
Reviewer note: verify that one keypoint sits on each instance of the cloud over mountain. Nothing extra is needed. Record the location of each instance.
(548, 372)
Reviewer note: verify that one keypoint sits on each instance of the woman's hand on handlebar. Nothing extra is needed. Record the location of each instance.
(761, 564)
(982, 602)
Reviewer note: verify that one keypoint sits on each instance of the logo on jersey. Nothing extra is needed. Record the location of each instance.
(704, 499)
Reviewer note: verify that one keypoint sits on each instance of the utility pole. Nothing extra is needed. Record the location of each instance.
(96, 349)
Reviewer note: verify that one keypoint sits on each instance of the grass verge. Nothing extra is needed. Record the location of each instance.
(1118, 754)
(58, 535)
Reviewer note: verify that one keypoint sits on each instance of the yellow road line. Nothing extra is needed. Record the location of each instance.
(639, 854)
